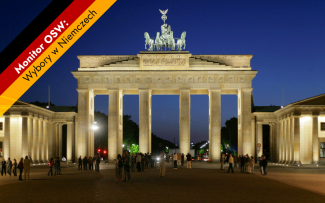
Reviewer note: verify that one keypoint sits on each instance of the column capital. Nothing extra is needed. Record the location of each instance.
(214, 90)
(82, 90)
(247, 89)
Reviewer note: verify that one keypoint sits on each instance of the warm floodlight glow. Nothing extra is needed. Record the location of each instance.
(305, 118)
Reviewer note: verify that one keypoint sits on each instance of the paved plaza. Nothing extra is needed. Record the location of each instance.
(203, 183)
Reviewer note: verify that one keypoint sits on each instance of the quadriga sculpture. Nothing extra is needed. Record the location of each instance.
(181, 42)
(149, 42)
(158, 42)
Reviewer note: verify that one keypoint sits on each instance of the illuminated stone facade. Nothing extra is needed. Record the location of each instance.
(27, 129)
(162, 73)
(296, 132)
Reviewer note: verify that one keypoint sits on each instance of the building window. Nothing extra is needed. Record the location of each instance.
(322, 150)
(322, 126)
(1, 125)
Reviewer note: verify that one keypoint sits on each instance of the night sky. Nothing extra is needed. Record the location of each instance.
(286, 39)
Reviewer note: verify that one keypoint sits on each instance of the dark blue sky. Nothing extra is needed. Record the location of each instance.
(286, 39)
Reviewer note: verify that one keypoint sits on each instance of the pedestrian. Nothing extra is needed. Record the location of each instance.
(9, 165)
(261, 166)
(238, 161)
(26, 167)
(133, 162)
(252, 163)
(247, 163)
(182, 159)
(189, 160)
(84, 162)
(142, 162)
(167, 158)
(80, 163)
(50, 163)
(222, 162)
(21, 167)
(175, 160)
(14, 167)
(56, 168)
(162, 164)
(179, 156)
(264, 164)
(90, 163)
(230, 161)
(4, 167)
(118, 168)
(97, 163)
(126, 163)
(242, 164)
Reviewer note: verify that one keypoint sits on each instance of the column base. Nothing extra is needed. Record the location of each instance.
(296, 163)
(315, 162)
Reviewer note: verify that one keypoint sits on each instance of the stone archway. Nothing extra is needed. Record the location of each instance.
(172, 73)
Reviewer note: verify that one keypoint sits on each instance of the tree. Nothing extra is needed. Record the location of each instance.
(229, 134)
(134, 149)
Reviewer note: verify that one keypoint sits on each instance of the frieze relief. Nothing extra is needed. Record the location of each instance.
(166, 79)
(164, 62)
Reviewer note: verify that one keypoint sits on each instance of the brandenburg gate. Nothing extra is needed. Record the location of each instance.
(173, 72)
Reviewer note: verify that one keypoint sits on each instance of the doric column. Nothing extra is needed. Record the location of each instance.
(24, 137)
(45, 141)
(35, 151)
(297, 140)
(271, 142)
(60, 140)
(292, 139)
(278, 141)
(40, 139)
(115, 124)
(54, 135)
(144, 120)
(30, 129)
(50, 143)
(315, 140)
(70, 130)
(214, 125)
(85, 103)
(244, 121)
(253, 127)
(6, 140)
(185, 121)
(259, 138)
(282, 151)
(287, 129)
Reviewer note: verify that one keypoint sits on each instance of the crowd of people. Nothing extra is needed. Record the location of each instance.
(142, 161)
(246, 163)
(11, 167)
(89, 163)
(132, 162)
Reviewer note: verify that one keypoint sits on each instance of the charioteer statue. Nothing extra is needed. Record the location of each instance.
(165, 39)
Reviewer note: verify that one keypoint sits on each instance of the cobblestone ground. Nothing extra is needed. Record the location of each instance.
(202, 183)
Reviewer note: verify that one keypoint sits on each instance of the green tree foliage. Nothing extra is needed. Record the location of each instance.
(229, 134)
(130, 132)
(201, 151)
(130, 135)
(134, 149)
